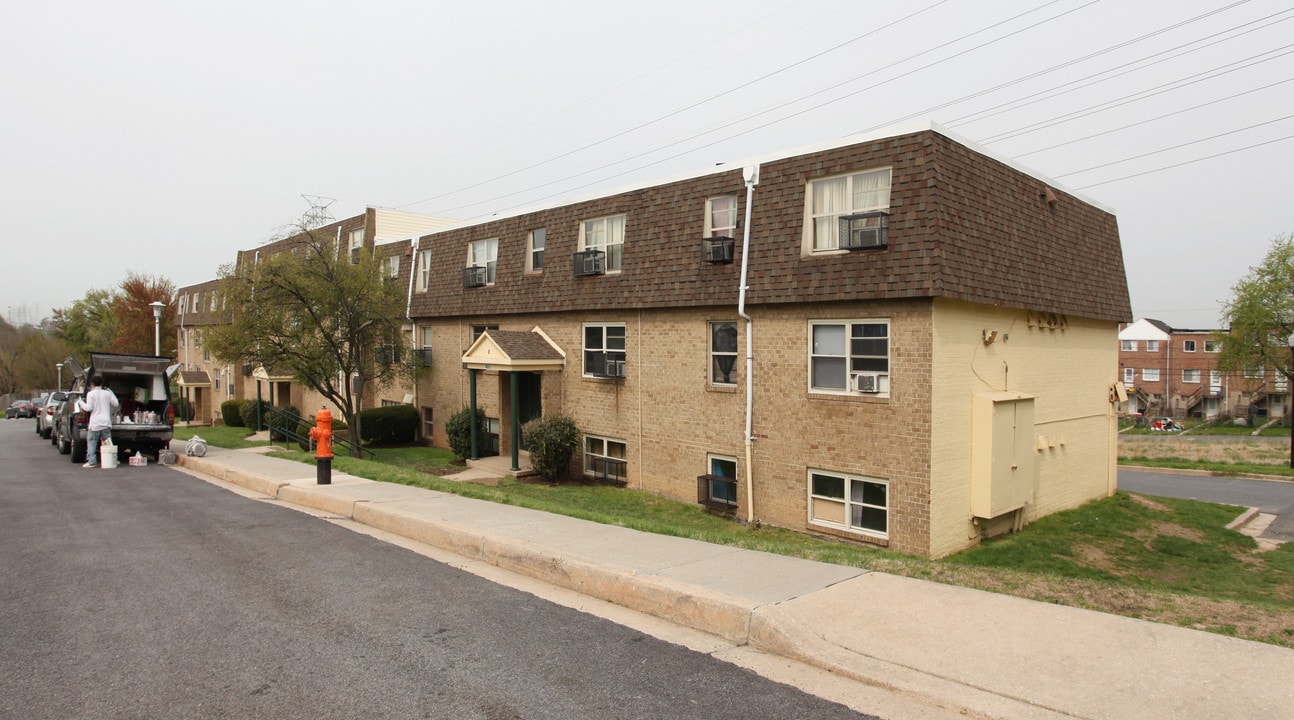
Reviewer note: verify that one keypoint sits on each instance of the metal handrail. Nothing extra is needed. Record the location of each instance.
(295, 420)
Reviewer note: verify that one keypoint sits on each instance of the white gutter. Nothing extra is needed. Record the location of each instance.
(751, 175)
(413, 272)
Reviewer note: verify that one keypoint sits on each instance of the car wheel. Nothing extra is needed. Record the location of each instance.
(64, 446)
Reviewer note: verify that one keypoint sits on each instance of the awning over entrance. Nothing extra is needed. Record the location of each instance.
(194, 379)
(271, 374)
(514, 351)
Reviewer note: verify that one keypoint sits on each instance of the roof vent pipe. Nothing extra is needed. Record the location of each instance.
(751, 175)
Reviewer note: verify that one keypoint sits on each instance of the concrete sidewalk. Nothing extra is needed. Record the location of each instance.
(975, 652)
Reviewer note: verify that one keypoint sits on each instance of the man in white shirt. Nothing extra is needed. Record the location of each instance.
(102, 404)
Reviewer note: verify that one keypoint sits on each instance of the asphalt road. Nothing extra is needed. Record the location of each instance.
(145, 593)
(1269, 496)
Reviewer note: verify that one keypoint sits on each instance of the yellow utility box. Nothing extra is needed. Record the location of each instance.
(1002, 453)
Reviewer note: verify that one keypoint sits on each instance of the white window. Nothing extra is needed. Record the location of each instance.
(604, 350)
(184, 304)
(720, 481)
(183, 337)
(424, 270)
(356, 244)
(723, 353)
(1152, 346)
(392, 263)
(1191, 376)
(1188, 346)
(608, 235)
(721, 217)
(858, 504)
(1254, 372)
(830, 198)
(424, 346)
(1213, 346)
(849, 356)
(1150, 374)
(428, 422)
(535, 250)
(478, 330)
(605, 458)
(1129, 377)
(484, 253)
(1128, 345)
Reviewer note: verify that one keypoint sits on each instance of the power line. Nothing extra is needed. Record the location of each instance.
(1142, 95)
(785, 104)
(1055, 92)
(1153, 119)
(683, 109)
(1187, 162)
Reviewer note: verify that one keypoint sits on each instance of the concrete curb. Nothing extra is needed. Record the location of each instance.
(767, 627)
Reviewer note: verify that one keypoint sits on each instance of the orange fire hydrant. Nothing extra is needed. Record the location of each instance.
(321, 434)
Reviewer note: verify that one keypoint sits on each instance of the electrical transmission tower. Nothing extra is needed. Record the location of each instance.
(317, 216)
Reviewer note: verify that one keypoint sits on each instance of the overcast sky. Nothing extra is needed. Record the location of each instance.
(162, 137)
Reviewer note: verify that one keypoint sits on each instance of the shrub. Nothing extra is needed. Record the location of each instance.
(232, 412)
(183, 408)
(389, 425)
(459, 430)
(277, 429)
(552, 440)
(252, 408)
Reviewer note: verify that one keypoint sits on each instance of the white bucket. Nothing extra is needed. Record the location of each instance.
(107, 454)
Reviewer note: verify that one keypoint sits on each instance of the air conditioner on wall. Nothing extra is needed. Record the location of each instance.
(475, 276)
(717, 250)
(864, 231)
(866, 382)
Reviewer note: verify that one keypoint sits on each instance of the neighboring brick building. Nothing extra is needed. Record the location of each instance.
(204, 381)
(952, 376)
(1174, 372)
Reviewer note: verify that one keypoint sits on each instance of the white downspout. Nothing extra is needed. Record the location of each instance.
(751, 175)
(408, 308)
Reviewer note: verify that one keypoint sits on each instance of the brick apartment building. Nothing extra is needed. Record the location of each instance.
(931, 331)
(924, 352)
(1174, 372)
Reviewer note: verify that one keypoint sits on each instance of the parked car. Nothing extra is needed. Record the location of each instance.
(14, 409)
(146, 420)
(38, 404)
(45, 415)
(68, 414)
(21, 408)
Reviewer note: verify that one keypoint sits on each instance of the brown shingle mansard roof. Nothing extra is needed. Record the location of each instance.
(963, 225)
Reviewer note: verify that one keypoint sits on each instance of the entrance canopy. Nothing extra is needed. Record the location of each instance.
(269, 374)
(194, 379)
(514, 351)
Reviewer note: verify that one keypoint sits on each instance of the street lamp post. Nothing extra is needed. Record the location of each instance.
(60, 376)
(157, 306)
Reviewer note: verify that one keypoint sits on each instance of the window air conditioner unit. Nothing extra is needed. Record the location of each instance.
(717, 250)
(354, 256)
(864, 231)
(475, 276)
(615, 368)
(590, 262)
(866, 382)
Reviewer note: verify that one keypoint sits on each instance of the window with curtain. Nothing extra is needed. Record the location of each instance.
(831, 198)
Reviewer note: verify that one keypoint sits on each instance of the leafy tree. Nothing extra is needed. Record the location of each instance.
(36, 364)
(1260, 313)
(89, 324)
(134, 317)
(304, 306)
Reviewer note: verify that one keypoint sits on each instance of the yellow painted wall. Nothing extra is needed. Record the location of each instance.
(1068, 368)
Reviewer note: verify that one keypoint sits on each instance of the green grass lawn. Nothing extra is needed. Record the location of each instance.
(1161, 559)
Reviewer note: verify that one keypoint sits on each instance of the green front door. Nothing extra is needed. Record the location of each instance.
(529, 399)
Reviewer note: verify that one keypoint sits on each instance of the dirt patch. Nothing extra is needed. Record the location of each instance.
(1205, 449)
(1175, 530)
(1146, 502)
(1092, 556)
